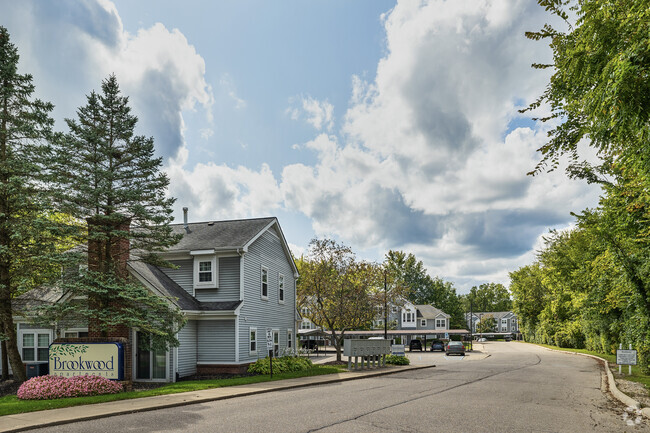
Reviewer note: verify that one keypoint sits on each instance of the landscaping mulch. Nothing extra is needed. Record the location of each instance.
(8, 387)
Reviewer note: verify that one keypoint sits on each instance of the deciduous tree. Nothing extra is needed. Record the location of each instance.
(337, 290)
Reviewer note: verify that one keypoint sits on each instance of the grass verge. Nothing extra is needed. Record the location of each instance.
(636, 376)
(10, 404)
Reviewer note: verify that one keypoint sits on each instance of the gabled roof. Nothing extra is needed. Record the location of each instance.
(227, 235)
(430, 312)
(160, 282)
(222, 235)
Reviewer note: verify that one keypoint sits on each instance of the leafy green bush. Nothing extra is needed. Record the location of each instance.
(280, 365)
(397, 360)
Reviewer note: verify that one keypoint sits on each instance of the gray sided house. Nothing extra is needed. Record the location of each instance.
(504, 321)
(233, 280)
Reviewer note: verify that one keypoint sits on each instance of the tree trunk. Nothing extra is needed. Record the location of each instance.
(13, 354)
(5, 360)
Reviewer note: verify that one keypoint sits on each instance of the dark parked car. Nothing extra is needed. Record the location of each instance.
(455, 347)
(415, 345)
(438, 345)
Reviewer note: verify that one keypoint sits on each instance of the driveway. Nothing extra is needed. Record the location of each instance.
(518, 388)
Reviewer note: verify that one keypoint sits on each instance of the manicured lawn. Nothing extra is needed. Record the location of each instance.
(636, 376)
(11, 404)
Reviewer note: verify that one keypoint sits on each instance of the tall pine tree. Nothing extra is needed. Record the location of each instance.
(29, 230)
(109, 177)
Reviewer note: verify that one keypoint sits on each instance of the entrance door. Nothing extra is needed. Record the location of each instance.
(150, 364)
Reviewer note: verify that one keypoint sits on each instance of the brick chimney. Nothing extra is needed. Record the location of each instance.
(103, 248)
(99, 249)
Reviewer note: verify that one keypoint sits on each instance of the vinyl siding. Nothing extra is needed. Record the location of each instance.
(266, 251)
(183, 275)
(228, 282)
(187, 349)
(216, 342)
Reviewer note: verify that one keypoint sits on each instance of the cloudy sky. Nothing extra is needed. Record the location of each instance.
(382, 124)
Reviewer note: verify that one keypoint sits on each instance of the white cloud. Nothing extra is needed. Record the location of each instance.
(157, 68)
(427, 160)
(227, 84)
(319, 114)
(213, 191)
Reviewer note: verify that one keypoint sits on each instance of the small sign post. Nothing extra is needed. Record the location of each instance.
(625, 357)
(269, 347)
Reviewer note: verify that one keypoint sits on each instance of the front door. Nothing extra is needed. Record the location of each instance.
(150, 364)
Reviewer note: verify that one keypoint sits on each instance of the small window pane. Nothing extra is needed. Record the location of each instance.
(42, 354)
(43, 340)
(28, 340)
(28, 354)
(205, 267)
(205, 277)
(70, 335)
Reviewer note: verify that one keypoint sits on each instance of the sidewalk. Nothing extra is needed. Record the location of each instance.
(26, 421)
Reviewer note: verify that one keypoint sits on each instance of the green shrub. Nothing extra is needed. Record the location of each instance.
(397, 360)
(280, 365)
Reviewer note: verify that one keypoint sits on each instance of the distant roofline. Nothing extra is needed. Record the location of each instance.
(225, 221)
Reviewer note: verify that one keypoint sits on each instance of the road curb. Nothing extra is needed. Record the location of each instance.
(611, 382)
(181, 402)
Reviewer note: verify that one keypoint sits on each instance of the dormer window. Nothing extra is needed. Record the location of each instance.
(205, 270)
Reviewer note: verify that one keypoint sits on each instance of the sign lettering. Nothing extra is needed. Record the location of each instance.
(87, 359)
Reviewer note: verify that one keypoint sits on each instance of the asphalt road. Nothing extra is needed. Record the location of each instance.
(518, 388)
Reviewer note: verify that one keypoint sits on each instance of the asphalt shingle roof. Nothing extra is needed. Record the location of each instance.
(219, 234)
(168, 287)
(429, 311)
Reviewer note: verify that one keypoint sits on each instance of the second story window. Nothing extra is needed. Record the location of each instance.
(265, 283)
(205, 270)
(281, 288)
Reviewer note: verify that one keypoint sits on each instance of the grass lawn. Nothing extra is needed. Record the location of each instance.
(10, 404)
(636, 376)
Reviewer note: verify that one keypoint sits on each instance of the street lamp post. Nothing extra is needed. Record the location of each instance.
(385, 306)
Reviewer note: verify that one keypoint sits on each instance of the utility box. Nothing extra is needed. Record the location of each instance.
(34, 370)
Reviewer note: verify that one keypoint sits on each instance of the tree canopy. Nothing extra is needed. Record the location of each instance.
(420, 288)
(487, 297)
(338, 291)
(108, 177)
(592, 284)
(30, 230)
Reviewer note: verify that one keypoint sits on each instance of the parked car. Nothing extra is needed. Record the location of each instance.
(437, 345)
(415, 345)
(456, 347)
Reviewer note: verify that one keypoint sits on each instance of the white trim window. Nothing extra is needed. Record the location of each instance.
(205, 272)
(441, 324)
(289, 338)
(276, 342)
(252, 338)
(264, 283)
(280, 288)
(408, 317)
(35, 346)
(423, 322)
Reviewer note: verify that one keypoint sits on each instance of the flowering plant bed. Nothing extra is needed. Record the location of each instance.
(51, 387)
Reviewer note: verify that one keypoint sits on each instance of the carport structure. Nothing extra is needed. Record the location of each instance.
(431, 334)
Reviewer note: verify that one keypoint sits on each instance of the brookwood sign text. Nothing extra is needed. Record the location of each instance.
(87, 359)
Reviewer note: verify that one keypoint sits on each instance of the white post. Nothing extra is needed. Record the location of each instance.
(620, 346)
(630, 366)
